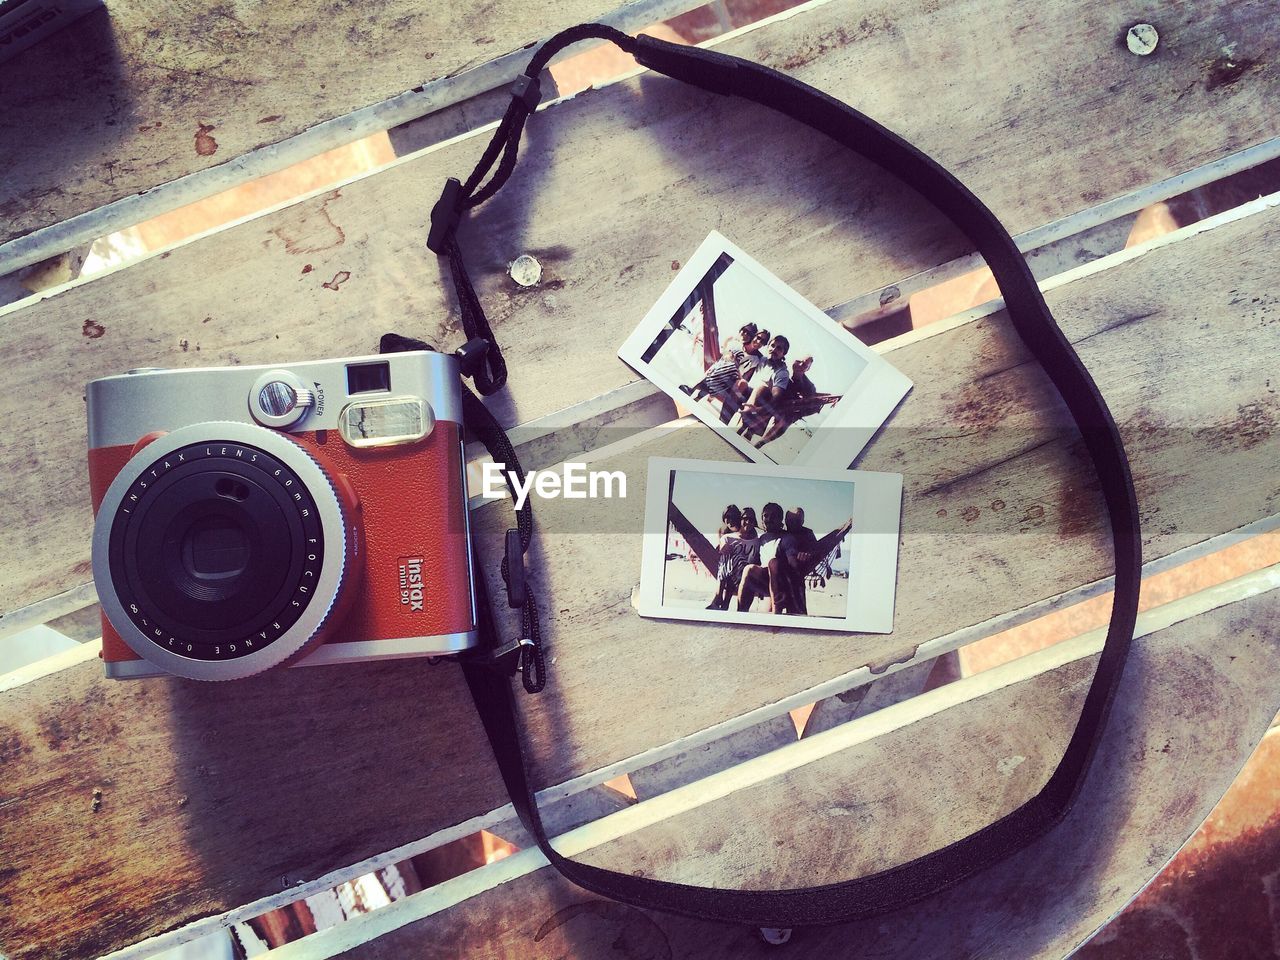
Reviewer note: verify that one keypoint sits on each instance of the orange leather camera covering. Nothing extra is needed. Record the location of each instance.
(104, 464)
(413, 507)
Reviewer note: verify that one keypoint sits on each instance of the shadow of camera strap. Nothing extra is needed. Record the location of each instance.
(894, 888)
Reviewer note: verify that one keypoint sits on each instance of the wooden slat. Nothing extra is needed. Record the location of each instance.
(1162, 766)
(561, 817)
(861, 701)
(164, 91)
(616, 184)
(265, 764)
(691, 765)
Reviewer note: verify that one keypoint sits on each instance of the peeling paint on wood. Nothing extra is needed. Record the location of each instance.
(206, 146)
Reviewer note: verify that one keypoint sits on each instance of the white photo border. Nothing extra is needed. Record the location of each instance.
(873, 540)
(863, 408)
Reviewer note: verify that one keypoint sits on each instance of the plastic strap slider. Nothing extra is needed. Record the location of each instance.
(528, 90)
(445, 215)
(516, 594)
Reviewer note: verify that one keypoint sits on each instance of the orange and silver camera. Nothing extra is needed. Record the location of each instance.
(308, 513)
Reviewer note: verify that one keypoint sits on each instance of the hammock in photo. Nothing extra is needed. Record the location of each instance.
(800, 407)
(703, 296)
(788, 408)
(705, 551)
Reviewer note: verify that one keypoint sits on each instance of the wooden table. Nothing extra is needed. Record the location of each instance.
(166, 809)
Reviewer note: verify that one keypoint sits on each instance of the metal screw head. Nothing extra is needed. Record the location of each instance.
(1142, 39)
(525, 270)
(775, 936)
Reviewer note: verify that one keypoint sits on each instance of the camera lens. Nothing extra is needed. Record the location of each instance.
(213, 566)
(216, 551)
(210, 569)
(214, 548)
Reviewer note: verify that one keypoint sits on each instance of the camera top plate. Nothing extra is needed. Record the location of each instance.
(125, 407)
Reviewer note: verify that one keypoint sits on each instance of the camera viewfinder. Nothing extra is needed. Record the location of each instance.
(368, 377)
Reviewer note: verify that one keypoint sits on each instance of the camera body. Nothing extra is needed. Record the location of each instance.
(306, 513)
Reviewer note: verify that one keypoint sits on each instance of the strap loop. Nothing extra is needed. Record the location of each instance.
(457, 198)
(525, 653)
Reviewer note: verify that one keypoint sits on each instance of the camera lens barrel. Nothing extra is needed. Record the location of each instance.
(220, 550)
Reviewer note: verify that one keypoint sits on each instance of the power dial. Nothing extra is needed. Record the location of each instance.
(279, 399)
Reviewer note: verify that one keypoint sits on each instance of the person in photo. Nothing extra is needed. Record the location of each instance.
(771, 384)
(770, 575)
(724, 373)
(798, 400)
(737, 389)
(757, 357)
(736, 551)
(802, 553)
(730, 520)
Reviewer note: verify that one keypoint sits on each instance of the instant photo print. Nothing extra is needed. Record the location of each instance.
(762, 366)
(794, 547)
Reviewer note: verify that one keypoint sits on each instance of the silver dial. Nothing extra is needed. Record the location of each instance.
(279, 399)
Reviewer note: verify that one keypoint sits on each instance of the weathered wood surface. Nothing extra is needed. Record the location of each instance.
(615, 184)
(1195, 699)
(999, 508)
(163, 89)
(179, 800)
(1020, 524)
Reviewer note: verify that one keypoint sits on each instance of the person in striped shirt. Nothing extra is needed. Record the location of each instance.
(722, 375)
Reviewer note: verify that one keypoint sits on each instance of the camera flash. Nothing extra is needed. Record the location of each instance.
(386, 421)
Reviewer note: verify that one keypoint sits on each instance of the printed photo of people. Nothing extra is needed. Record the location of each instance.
(778, 547)
(754, 360)
(789, 546)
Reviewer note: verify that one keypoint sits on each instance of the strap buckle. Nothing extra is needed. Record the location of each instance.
(471, 356)
(445, 215)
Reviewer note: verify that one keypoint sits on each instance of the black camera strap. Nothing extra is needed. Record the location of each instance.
(893, 888)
